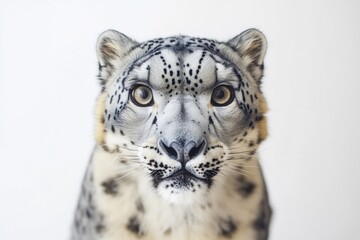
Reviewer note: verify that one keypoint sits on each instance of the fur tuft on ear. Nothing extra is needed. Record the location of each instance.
(111, 47)
(251, 45)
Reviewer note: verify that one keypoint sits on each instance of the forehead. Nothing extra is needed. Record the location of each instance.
(179, 43)
(187, 67)
(182, 61)
(180, 64)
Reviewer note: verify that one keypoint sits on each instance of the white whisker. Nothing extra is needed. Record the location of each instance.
(126, 175)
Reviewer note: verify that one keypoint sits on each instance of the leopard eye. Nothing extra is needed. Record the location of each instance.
(142, 96)
(222, 95)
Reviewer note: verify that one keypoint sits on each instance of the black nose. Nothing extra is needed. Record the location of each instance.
(183, 154)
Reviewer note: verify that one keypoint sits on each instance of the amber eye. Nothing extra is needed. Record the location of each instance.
(222, 95)
(142, 96)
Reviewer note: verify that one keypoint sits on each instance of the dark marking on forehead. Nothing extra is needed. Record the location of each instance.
(179, 45)
(186, 79)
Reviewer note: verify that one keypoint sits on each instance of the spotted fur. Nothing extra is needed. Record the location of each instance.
(180, 167)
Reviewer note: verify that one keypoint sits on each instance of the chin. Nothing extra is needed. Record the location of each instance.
(183, 191)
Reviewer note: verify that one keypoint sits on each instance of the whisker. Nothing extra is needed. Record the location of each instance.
(239, 169)
(236, 172)
(133, 172)
(243, 166)
(232, 152)
(238, 159)
(234, 158)
(129, 149)
(111, 162)
(127, 170)
(134, 156)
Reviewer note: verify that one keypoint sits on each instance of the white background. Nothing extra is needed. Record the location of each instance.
(48, 88)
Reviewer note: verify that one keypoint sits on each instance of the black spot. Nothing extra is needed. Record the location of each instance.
(99, 228)
(110, 187)
(77, 224)
(140, 205)
(133, 226)
(105, 148)
(210, 120)
(88, 213)
(167, 232)
(155, 120)
(245, 187)
(262, 223)
(227, 227)
(243, 95)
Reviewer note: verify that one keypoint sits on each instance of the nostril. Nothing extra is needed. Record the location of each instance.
(196, 150)
(170, 151)
(183, 154)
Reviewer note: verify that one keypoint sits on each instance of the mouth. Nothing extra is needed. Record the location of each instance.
(180, 179)
(182, 175)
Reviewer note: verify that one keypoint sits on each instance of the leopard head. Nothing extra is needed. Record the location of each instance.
(189, 110)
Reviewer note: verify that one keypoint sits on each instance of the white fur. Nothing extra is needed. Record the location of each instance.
(183, 219)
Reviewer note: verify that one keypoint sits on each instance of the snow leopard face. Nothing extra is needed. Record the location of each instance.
(184, 110)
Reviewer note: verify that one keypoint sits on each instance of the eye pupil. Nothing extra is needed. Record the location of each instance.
(219, 94)
(142, 96)
(143, 93)
(222, 95)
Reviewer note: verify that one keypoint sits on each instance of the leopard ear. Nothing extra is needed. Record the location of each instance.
(251, 46)
(112, 46)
